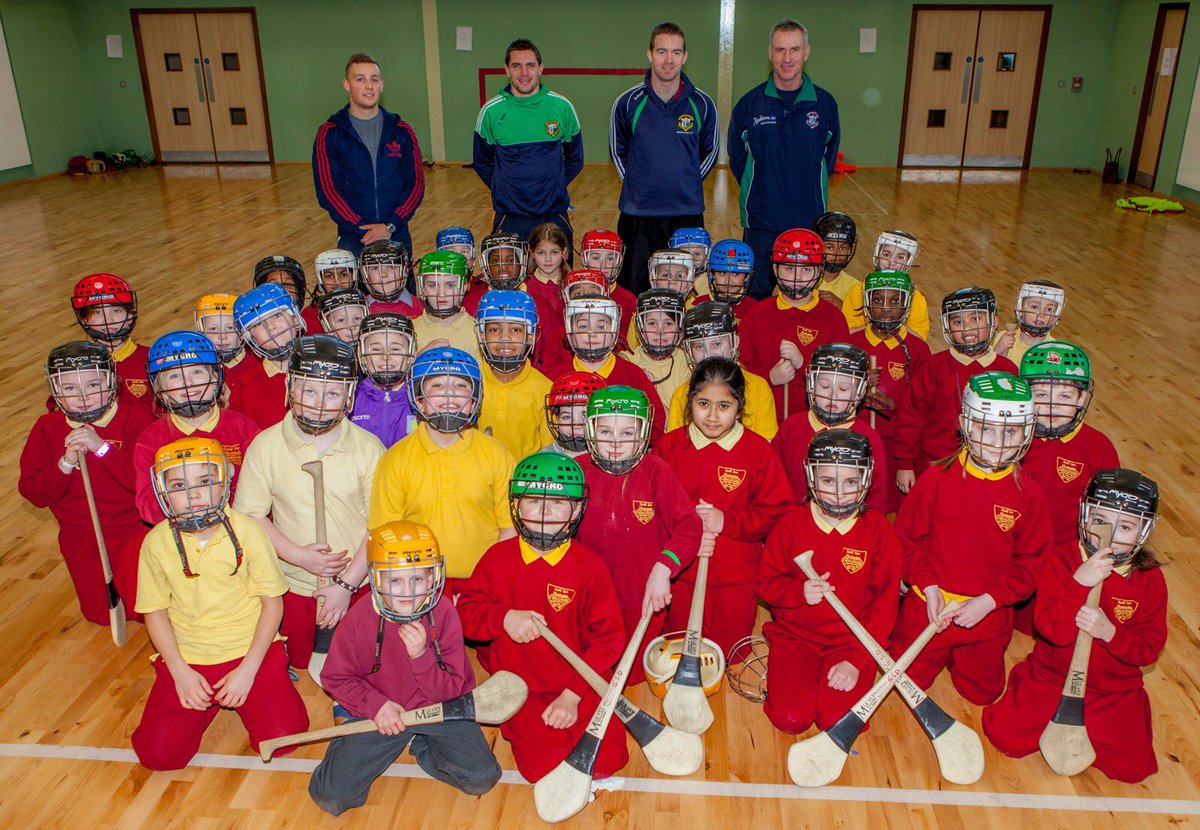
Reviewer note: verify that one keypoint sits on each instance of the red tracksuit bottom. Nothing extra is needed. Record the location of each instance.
(975, 656)
(538, 748)
(299, 625)
(168, 735)
(1118, 723)
(798, 693)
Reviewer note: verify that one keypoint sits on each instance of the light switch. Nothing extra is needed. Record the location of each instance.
(866, 41)
(462, 38)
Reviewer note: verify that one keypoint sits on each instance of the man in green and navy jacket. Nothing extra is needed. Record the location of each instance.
(783, 142)
(528, 147)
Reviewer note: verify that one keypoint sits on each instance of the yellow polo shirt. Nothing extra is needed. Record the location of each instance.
(918, 313)
(215, 612)
(840, 285)
(514, 413)
(459, 331)
(460, 491)
(759, 415)
(272, 483)
(667, 375)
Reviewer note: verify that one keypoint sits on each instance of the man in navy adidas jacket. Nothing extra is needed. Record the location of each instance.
(367, 164)
(783, 142)
(662, 136)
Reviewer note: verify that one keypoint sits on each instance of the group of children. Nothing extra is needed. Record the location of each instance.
(478, 454)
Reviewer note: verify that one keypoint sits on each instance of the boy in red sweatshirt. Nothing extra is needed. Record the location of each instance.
(1128, 628)
(927, 427)
(973, 529)
(88, 419)
(187, 378)
(818, 667)
(106, 309)
(640, 519)
(782, 332)
(214, 319)
(402, 651)
(836, 385)
(546, 575)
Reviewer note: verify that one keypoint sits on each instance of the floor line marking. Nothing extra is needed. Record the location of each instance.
(725, 789)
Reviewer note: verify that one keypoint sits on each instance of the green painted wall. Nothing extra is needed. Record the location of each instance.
(81, 105)
(56, 105)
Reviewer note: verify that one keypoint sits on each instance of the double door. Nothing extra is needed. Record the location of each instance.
(973, 81)
(202, 77)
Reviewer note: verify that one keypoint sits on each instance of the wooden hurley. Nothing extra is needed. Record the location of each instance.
(1065, 743)
(958, 748)
(495, 700)
(565, 790)
(324, 636)
(685, 704)
(116, 607)
(668, 750)
(817, 761)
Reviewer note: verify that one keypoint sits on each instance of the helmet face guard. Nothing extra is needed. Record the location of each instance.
(274, 334)
(895, 251)
(386, 355)
(746, 668)
(192, 486)
(673, 270)
(1125, 500)
(446, 390)
(660, 330)
(506, 329)
(834, 395)
(318, 404)
(342, 312)
(335, 269)
(839, 487)
(218, 325)
(617, 442)
(886, 306)
(505, 260)
(82, 380)
(407, 571)
(566, 408)
(797, 281)
(1048, 401)
(604, 251)
(1039, 307)
(105, 306)
(997, 420)
(188, 390)
(839, 235)
(442, 293)
(969, 330)
(593, 327)
(383, 266)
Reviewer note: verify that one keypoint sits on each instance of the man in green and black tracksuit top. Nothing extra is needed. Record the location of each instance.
(528, 148)
(662, 136)
(783, 142)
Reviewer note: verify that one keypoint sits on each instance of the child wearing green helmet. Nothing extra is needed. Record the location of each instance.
(641, 520)
(442, 281)
(548, 576)
(973, 530)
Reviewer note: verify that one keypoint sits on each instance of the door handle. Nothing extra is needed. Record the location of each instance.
(978, 79)
(199, 80)
(212, 93)
(966, 80)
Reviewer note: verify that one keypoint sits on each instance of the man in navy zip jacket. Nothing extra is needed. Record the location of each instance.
(662, 136)
(783, 142)
(528, 148)
(367, 164)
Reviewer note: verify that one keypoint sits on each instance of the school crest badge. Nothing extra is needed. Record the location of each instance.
(805, 335)
(685, 123)
(552, 128)
(730, 478)
(234, 453)
(1068, 471)
(813, 119)
(137, 386)
(1123, 609)
(896, 370)
(643, 511)
(853, 560)
(558, 596)
(1005, 517)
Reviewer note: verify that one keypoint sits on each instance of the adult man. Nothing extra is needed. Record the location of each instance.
(367, 164)
(783, 141)
(528, 147)
(662, 137)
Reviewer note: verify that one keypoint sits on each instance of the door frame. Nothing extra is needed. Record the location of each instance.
(1160, 23)
(1037, 84)
(262, 78)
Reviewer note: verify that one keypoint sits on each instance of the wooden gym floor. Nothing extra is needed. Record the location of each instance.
(70, 699)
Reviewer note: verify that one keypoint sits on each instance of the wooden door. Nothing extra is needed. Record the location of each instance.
(1156, 95)
(233, 77)
(941, 66)
(173, 78)
(1008, 67)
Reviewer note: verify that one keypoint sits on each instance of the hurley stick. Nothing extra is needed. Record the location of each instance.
(495, 700)
(957, 746)
(564, 791)
(668, 750)
(323, 637)
(817, 761)
(1065, 743)
(685, 704)
(116, 607)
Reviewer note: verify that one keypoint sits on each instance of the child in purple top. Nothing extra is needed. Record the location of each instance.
(386, 347)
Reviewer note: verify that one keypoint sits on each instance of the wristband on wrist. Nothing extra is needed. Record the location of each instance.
(341, 583)
(65, 465)
(103, 450)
